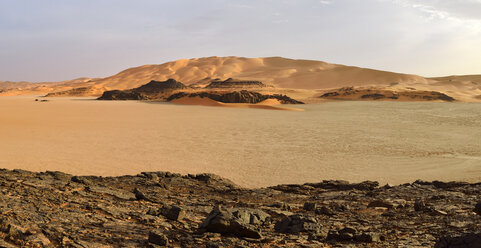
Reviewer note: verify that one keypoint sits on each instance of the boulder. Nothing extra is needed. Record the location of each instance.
(240, 222)
(309, 206)
(465, 241)
(158, 238)
(351, 234)
(173, 212)
(298, 223)
(344, 185)
(477, 208)
(380, 204)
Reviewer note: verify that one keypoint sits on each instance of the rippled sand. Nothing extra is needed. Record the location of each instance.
(393, 142)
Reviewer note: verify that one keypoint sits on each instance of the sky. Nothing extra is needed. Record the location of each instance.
(54, 40)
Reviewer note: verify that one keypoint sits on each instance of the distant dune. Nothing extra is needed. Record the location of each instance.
(276, 71)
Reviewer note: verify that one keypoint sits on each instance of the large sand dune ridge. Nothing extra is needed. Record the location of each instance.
(276, 71)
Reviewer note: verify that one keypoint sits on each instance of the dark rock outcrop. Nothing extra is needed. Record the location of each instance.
(237, 222)
(159, 86)
(464, 241)
(351, 93)
(477, 208)
(152, 209)
(151, 90)
(122, 95)
(298, 223)
(242, 96)
(233, 83)
(81, 91)
(351, 234)
(158, 238)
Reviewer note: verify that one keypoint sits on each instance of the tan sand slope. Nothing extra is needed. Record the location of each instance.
(275, 71)
(280, 72)
(266, 104)
(25, 88)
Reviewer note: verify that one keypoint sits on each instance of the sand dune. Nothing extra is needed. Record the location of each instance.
(280, 72)
(266, 104)
(276, 71)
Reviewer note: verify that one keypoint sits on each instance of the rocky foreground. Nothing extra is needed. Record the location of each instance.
(158, 209)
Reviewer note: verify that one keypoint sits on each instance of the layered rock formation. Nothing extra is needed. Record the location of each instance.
(242, 96)
(162, 209)
(234, 83)
(152, 90)
(352, 93)
(82, 91)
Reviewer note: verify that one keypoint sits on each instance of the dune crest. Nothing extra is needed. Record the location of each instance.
(205, 101)
(307, 75)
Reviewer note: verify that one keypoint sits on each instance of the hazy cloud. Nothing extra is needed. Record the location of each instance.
(57, 39)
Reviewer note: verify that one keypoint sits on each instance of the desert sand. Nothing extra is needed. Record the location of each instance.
(304, 78)
(392, 142)
(266, 104)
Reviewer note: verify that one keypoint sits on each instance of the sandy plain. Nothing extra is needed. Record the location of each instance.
(392, 142)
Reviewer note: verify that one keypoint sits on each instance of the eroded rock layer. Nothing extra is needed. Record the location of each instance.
(233, 83)
(242, 96)
(162, 209)
(352, 93)
(151, 90)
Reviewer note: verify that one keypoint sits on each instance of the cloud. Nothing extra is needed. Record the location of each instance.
(457, 9)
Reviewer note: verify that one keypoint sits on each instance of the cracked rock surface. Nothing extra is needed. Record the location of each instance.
(162, 209)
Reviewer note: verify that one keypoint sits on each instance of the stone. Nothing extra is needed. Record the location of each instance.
(158, 238)
(324, 211)
(419, 205)
(298, 223)
(37, 208)
(470, 240)
(380, 204)
(239, 222)
(214, 245)
(310, 206)
(139, 195)
(81, 180)
(281, 205)
(173, 213)
(477, 208)
(369, 238)
(4, 244)
(38, 239)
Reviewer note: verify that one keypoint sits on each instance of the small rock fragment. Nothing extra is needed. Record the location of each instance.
(173, 213)
(158, 238)
(380, 204)
(298, 223)
(309, 206)
(477, 208)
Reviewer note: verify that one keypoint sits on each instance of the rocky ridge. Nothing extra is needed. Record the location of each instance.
(242, 96)
(162, 209)
(151, 90)
(82, 91)
(234, 83)
(352, 93)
